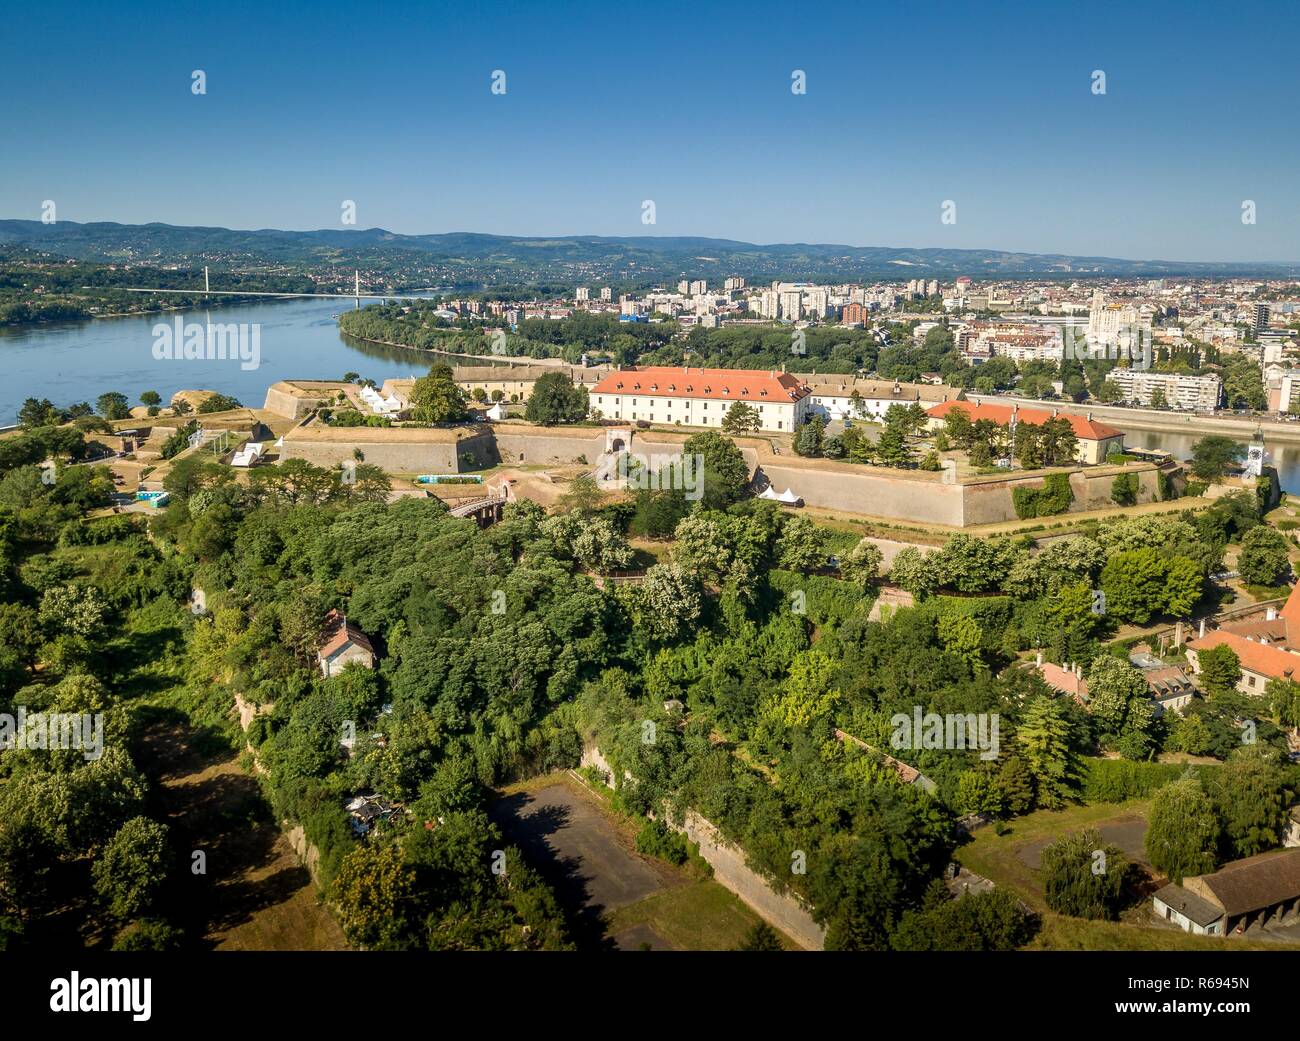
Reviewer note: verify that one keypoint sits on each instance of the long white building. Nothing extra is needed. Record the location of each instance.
(1192, 393)
(701, 397)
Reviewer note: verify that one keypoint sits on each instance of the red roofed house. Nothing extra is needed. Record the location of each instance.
(343, 642)
(1268, 648)
(1068, 679)
(701, 397)
(1096, 440)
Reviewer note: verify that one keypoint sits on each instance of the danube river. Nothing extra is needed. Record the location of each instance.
(78, 361)
(299, 339)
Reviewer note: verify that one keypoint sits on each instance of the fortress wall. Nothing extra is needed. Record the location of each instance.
(543, 446)
(871, 491)
(395, 457)
(874, 493)
(292, 406)
(991, 502)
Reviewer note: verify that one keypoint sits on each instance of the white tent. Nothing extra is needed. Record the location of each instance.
(787, 497)
(247, 455)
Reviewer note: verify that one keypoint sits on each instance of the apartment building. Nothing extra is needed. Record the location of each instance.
(1190, 393)
(701, 397)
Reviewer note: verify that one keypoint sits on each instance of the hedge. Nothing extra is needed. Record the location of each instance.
(1053, 497)
(1116, 780)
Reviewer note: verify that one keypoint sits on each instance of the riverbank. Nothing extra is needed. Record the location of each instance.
(482, 359)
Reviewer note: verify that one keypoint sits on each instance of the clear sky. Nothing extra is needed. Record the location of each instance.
(690, 105)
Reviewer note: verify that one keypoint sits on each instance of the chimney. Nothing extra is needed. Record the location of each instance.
(1078, 670)
(1039, 659)
(1178, 633)
(1201, 633)
(1089, 417)
(1270, 614)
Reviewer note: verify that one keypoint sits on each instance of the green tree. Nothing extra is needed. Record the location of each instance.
(1046, 742)
(761, 937)
(1083, 877)
(1016, 784)
(436, 398)
(740, 418)
(375, 893)
(131, 867)
(809, 440)
(668, 602)
(861, 564)
(916, 571)
(725, 472)
(112, 405)
(1182, 830)
(1264, 559)
(1248, 793)
(1213, 455)
(1219, 670)
(555, 399)
(1283, 695)
(801, 545)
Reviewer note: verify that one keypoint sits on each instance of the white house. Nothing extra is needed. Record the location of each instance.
(701, 397)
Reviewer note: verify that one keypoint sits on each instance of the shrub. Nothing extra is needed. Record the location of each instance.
(1124, 489)
(1117, 780)
(1053, 497)
(656, 840)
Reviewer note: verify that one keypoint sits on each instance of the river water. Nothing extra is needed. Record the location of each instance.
(78, 361)
(299, 339)
(1286, 457)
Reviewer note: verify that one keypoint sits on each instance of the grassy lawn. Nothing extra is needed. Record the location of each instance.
(1060, 933)
(701, 916)
(997, 857)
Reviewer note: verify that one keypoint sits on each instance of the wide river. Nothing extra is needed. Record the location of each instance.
(299, 340)
(78, 361)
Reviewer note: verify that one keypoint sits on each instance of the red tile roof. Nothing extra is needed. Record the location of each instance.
(339, 632)
(1264, 659)
(1063, 680)
(1291, 609)
(721, 384)
(1085, 429)
(1269, 647)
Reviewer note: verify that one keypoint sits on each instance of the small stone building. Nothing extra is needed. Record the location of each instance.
(343, 642)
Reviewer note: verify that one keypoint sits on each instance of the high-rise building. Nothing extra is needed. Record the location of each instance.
(607, 295)
(855, 314)
(583, 293)
(683, 287)
(1261, 317)
(699, 287)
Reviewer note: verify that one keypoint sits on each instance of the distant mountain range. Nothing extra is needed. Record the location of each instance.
(463, 258)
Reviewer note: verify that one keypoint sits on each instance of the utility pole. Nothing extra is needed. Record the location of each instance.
(206, 287)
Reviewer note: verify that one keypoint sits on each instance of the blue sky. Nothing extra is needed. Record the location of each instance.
(689, 105)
